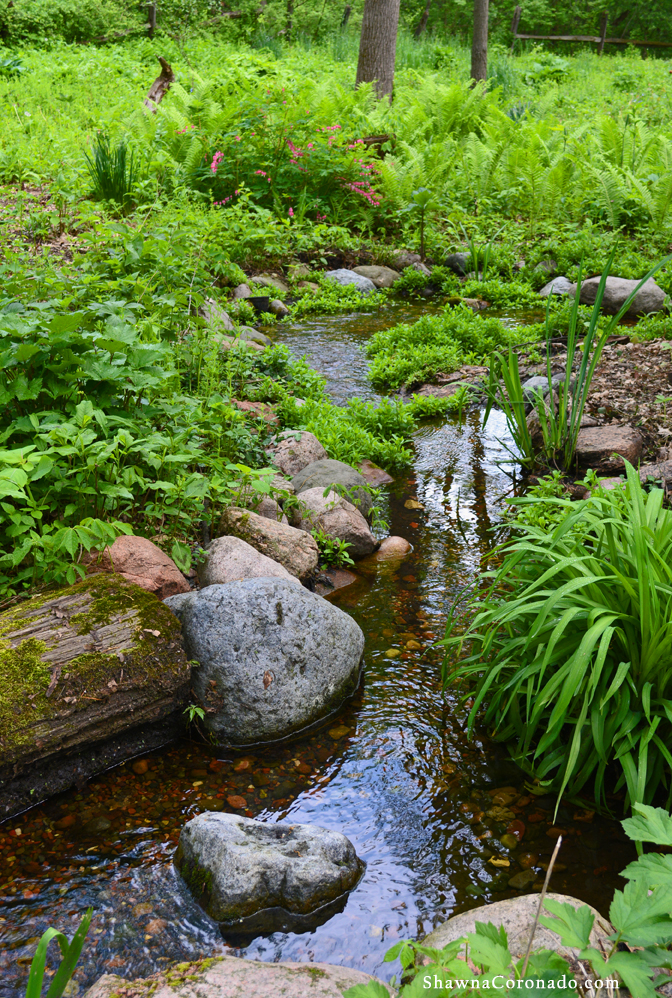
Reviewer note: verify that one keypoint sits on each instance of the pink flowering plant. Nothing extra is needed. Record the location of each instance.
(289, 162)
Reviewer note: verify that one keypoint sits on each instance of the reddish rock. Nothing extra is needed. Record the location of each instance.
(262, 410)
(142, 562)
(140, 767)
(608, 447)
(373, 475)
(659, 472)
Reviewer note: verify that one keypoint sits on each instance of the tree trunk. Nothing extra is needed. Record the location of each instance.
(151, 19)
(479, 45)
(346, 15)
(289, 22)
(160, 86)
(422, 24)
(378, 45)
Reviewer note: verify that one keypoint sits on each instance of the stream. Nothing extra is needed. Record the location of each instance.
(395, 772)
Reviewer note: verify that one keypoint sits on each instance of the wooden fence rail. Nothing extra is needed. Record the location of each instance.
(601, 40)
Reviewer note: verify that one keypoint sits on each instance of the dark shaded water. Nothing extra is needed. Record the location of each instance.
(395, 772)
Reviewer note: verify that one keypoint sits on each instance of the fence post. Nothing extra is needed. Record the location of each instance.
(514, 26)
(603, 32)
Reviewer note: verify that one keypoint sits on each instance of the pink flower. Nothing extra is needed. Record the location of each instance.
(237, 137)
(291, 213)
(216, 160)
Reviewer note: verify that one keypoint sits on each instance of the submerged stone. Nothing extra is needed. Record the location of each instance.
(257, 876)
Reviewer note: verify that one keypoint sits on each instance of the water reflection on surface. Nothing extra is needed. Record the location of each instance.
(395, 773)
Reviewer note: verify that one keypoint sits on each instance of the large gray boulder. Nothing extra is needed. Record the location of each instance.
(649, 298)
(337, 518)
(228, 559)
(294, 549)
(382, 277)
(251, 875)
(295, 450)
(342, 478)
(273, 657)
(517, 916)
(345, 277)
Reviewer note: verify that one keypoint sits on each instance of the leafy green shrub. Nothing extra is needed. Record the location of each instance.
(641, 941)
(411, 353)
(571, 643)
(70, 20)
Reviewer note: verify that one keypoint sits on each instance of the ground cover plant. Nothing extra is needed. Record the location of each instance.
(570, 644)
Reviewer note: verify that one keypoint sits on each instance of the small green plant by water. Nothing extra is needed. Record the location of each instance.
(559, 422)
(70, 954)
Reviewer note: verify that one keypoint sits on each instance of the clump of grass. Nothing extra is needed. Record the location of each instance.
(113, 171)
(571, 645)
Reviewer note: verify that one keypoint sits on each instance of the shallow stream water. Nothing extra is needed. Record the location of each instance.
(425, 807)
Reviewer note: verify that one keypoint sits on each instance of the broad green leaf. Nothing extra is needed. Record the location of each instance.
(371, 990)
(573, 925)
(649, 824)
(655, 870)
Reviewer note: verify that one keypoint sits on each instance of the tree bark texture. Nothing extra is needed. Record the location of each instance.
(378, 45)
(479, 45)
(422, 23)
(161, 85)
(83, 665)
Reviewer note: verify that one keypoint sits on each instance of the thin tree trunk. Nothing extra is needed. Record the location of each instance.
(479, 45)
(422, 24)
(151, 19)
(378, 45)
(290, 20)
(346, 15)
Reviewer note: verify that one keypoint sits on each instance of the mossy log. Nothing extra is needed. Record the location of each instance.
(81, 667)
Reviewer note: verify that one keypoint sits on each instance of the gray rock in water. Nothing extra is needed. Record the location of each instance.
(558, 286)
(517, 916)
(251, 875)
(337, 475)
(649, 298)
(228, 559)
(273, 658)
(459, 263)
(382, 277)
(278, 308)
(337, 518)
(345, 277)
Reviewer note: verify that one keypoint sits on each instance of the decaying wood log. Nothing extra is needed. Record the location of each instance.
(81, 666)
(160, 86)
